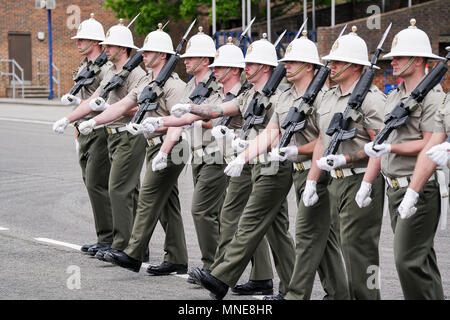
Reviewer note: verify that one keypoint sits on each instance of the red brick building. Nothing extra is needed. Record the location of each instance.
(21, 22)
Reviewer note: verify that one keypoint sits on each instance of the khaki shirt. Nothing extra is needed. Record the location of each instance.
(172, 93)
(121, 92)
(243, 102)
(421, 120)
(235, 123)
(371, 111)
(87, 91)
(200, 137)
(288, 99)
(442, 117)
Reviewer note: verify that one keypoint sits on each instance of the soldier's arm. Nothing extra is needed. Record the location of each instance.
(425, 166)
(172, 137)
(83, 109)
(411, 148)
(210, 111)
(361, 154)
(315, 171)
(262, 142)
(115, 111)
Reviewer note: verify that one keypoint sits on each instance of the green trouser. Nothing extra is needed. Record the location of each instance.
(158, 200)
(95, 167)
(359, 233)
(126, 153)
(317, 246)
(414, 254)
(210, 185)
(265, 214)
(238, 192)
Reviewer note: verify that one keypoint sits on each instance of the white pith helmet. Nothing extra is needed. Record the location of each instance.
(349, 48)
(411, 42)
(200, 45)
(302, 50)
(158, 41)
(262, 52)
(229, 55)
(119, 35)
(90, 29)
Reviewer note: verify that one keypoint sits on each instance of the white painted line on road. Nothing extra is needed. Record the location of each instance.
(184, 276)
(27, 120)
(3, 229)
(59, 243)
(258, 297)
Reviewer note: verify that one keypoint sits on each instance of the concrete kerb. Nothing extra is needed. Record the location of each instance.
(33, 102)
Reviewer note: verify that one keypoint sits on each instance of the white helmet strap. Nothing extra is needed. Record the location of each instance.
(340, 72)
(303, 66)
(256, 72)
(405, 67)
(148, 65)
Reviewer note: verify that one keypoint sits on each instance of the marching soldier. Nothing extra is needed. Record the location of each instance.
(316, 241)
(359, 228)
(158, 196)
(414, 230)
(92, 149)
(266, 209)
(209, 180)
(228, 65)
(126, 151)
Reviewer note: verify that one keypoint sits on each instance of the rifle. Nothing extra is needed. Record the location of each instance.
(87, 76)
(255, 112)
(400, 114)
(296, 119)
(120, 77)
(148, 99)
(338, 128)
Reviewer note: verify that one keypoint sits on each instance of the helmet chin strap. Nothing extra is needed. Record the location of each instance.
(405, 67)
(148, 65)
(224, 75)
(83, 50)
(303, 66)
(256, 72)
(337, 75)
(196, 66)
(114, 56)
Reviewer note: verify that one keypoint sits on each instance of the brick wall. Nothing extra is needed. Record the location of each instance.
(21, 16)
(432, 17)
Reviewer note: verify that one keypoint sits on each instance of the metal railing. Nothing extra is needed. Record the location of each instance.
(13, 75)
(57, 80)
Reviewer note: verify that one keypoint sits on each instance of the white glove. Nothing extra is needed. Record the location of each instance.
(362, 197)
(338, 161)
(222, 132)
(440, 153)
(159, 162)
(60, 125)
(98, 104)
(134, 128)
(239, 145)
(380, 149)
(406, 207)
(309, 195)
(234, 168)
(195, 124)
(180, 108)
(289, 151)
(156, 122)
(86, 127)
(70, 100)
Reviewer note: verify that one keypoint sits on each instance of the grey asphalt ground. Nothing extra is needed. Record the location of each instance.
(42, 196)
